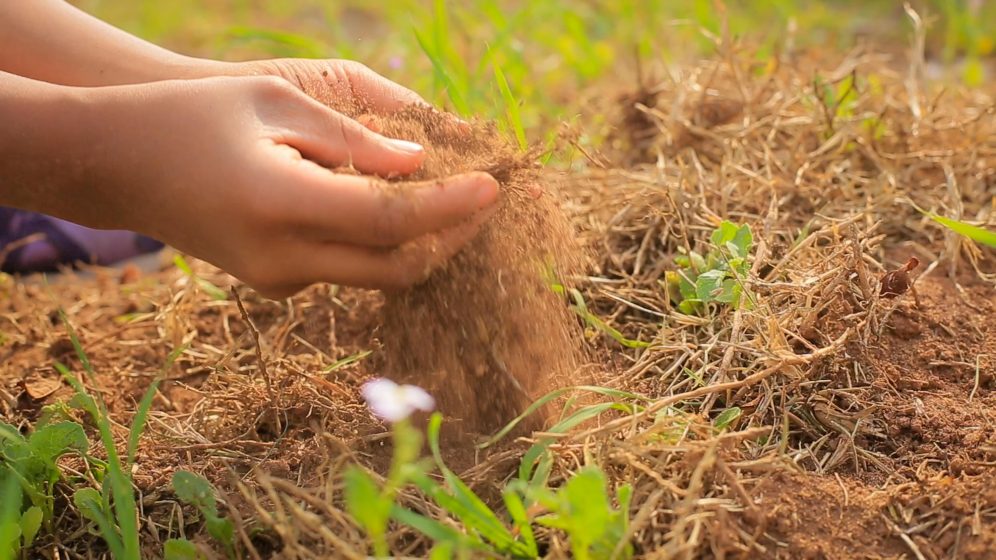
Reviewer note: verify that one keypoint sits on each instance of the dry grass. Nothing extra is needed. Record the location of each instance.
(838, 453)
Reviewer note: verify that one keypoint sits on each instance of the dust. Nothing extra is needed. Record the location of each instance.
(486, 334)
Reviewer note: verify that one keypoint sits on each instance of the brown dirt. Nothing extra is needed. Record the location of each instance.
(492, 336)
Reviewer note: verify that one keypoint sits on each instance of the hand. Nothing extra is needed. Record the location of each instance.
(334, 83)
(227, 169)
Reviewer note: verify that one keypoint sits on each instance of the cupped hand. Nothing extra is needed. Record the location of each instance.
(235, 171)
(332, 82)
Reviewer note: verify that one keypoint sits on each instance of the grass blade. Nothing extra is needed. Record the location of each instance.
(454, 93)
(614, 393)
(511, 107)
(975, 233)
(348, 360)
(142, 414)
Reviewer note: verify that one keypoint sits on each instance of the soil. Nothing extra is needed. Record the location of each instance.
(493, 336)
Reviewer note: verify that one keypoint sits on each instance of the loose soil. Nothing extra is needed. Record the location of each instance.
(491, 335)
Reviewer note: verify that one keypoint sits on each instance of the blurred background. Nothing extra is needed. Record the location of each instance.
(554, 55)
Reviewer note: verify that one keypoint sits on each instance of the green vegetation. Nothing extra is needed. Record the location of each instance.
(478, 57)
(717, 277)
(580, 507)
(195, 490)
(28, 473)
(526, 65)
(975, 233)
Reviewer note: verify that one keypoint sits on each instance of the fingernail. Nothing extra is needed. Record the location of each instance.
(487, 192)
(406, 146)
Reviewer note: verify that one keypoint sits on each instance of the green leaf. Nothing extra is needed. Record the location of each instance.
(742, 242)
(581, 508)
(142, 414)
(726, 418)
(181, 549)
(539, 448)
(10, 507)
(975, 233)
(465, 504)
(31, 521)
(709, 285)
(731, 292)
(50, 442)
(10, 434)
(221, 530)
(589, 506)
(725, 233)
(698, 263)
(91, 506)
(593, 320)
(520, 519)
(365, 503)
(455, 95)
(139, 421)
(214, 292)
(440, 533)
(538, 403)
(195, 490)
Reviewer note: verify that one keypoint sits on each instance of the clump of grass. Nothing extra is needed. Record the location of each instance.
(111, 507)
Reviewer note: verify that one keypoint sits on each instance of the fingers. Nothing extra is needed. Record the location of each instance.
(364, 211)
(375, 91)
(384, 269)
(332, 139)
(383, 96)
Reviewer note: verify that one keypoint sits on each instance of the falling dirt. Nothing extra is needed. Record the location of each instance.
(491, 334)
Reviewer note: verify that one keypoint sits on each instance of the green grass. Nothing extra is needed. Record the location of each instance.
(459, 54)
(111, 507)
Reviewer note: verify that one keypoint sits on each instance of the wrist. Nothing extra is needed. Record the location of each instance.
(58, 151)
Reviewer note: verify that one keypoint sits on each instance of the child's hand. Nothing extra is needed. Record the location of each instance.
(225, 169)
(337, 83)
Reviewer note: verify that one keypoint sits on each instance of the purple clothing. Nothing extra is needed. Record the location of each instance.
(32, 242)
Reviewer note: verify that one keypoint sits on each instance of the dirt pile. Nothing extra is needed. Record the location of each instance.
(486, 334)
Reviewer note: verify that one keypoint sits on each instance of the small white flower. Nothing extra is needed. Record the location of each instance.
(393, 402)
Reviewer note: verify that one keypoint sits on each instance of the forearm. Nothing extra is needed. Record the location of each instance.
(52, 41)
(44, 164)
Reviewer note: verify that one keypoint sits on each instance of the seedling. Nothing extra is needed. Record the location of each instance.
(29, 469)
(195, 490)
(113, 507)
(582, 510)
(717, 277)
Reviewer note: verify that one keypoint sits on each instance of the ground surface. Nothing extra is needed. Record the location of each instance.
(867, 423)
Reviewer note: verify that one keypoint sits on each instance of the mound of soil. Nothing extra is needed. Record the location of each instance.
(486, 333)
